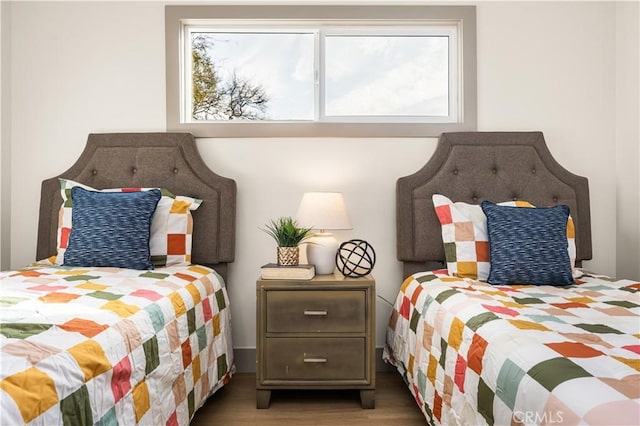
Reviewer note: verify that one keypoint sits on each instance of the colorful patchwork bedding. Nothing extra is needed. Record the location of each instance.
(472, 353)
(111, 346)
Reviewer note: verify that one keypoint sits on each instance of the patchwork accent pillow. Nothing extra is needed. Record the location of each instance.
(111, 228)
(528, 245)
(464, 233)
(172, 230)
(171, 226)
(466, 239)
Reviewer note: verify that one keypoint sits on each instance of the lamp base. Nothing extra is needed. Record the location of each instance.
(321, 252)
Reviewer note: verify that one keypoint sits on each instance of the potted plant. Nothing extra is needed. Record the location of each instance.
(288, 235)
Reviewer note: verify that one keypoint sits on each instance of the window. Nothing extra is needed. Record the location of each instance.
(320, 70)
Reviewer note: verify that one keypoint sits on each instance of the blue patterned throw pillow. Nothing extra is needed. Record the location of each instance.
(111, 228)
(528, 245)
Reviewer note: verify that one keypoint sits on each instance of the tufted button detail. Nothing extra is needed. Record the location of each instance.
(514, 198)
(555, 199)
(494, 170)
(455, 171)
(175, 170)
(474, 198)
(533, 170)
(94, 172)
(134, 170)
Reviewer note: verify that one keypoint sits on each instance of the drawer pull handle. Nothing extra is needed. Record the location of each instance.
(316, 313)
(316, 360)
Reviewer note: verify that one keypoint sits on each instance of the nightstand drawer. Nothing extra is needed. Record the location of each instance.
(304, 311)
(315, 359)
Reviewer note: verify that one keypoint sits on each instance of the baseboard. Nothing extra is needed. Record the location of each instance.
(245, 359)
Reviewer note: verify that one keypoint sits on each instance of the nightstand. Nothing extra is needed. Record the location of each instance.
(315, 334)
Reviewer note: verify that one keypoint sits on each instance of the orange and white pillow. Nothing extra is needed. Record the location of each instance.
(466, 238)
(171, 225)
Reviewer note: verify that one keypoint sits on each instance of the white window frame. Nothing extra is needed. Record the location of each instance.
(457, 21)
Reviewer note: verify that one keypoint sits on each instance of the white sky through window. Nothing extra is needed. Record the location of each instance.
(385, 75)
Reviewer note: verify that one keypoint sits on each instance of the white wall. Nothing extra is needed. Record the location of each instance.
(5, 131)
(91, 67)
(2, 61)
(77, 68)
(550, 66)
(627, 137)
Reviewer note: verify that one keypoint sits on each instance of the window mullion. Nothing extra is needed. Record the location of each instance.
(320, 77)
(186, 74)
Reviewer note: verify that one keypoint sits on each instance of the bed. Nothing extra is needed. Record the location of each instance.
(93, 337)
(475, 342)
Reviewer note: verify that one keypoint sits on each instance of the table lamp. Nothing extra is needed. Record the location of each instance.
(323, 211)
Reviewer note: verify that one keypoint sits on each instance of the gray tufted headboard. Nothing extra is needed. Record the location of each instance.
(477, 166)
(166, 160)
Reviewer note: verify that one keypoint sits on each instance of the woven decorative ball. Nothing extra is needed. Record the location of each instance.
(355, 258)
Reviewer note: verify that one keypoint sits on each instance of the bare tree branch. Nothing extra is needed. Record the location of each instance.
(219, 100)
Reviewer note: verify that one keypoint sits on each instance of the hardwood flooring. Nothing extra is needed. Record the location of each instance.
(235, 404)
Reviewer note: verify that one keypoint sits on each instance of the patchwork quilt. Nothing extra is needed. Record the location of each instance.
(111, 346)
(472, 353)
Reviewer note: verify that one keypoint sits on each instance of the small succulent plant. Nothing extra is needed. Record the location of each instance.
(286, 232)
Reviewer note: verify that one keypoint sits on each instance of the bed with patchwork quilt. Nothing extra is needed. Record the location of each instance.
(496, 322)
(125, 319)
(475, 353)
(111, 345)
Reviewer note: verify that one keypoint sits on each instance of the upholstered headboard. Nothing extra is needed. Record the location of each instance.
(165, 160)
(477, 166)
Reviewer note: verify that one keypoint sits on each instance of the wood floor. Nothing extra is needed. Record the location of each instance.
(235, 404)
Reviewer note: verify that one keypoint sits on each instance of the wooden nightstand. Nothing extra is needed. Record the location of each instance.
(316, 334)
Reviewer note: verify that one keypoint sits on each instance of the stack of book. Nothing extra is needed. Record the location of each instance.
(273, 271)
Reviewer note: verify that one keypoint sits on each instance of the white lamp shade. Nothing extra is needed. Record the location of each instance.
(323, 210)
